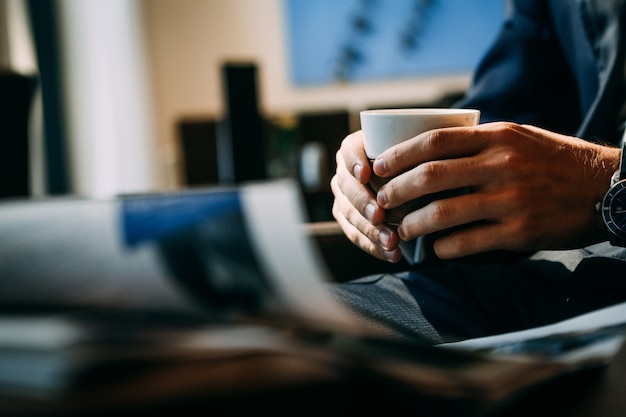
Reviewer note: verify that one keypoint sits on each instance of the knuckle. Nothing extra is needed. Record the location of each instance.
(430, 172)
(336, 211)
(435, 138)
(505, 128)
(509, 158)
(463, 243)
(440, 213)
(392, 191)
(359, 201)
(397, 155)
(507, 161)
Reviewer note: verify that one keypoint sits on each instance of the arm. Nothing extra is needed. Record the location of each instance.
(525, 77)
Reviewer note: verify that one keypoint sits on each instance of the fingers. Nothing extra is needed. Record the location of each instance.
(518, 193)
(469, 231)
(496, 161)
(378, 240)
(472, 240)
(353, 157)
(487, 157)
(361, 219)
(448, 143)
(447, 213)
(433, 177)
(354, 194)
(437, 144)
(355, 207)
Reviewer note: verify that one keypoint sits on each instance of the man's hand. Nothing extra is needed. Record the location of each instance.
(530, 188)
(355, 207)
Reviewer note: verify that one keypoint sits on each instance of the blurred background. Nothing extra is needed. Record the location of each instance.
(108, 97)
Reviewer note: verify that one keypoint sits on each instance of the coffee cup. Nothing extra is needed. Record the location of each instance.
(385, 128)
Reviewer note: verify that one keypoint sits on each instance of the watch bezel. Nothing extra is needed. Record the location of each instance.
(607, 215)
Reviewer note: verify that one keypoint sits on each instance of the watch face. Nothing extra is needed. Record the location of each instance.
(614, 209)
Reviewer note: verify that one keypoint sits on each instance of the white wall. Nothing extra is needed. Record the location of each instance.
(16, 44)
(107, 92)
(190, 39)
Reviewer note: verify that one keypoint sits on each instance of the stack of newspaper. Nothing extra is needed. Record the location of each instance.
(201, 275)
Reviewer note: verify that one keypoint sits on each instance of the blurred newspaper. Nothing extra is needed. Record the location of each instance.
(219, 250)
(178, 277)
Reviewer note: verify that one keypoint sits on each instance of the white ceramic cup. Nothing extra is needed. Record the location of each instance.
(388, 127)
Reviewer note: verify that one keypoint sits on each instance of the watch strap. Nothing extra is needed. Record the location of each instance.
(621, 172)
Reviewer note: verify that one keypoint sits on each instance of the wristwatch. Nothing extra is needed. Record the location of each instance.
(614, 204)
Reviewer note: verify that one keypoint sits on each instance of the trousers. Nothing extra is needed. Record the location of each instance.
(469, 298)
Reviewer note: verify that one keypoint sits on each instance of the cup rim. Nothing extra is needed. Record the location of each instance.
(421, 111)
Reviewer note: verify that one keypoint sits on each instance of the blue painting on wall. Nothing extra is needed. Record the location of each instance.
(334, 41)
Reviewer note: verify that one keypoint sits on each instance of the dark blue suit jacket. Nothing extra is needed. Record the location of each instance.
(557, 64)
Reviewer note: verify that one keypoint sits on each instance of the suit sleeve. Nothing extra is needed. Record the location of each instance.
(524, 76)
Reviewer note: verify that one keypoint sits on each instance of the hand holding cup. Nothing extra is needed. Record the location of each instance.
(385, 128)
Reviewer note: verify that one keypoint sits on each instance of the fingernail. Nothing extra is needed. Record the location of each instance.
(370, 210)
(379, 166)
(357, 171)
(391, 256)
(401, 233)
(381, 198)
(383, 238)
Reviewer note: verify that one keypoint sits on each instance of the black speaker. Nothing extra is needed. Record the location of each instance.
(241, 134)
(198, 144)
(15, 107)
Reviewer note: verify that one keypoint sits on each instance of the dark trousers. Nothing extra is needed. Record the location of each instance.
(471, 298)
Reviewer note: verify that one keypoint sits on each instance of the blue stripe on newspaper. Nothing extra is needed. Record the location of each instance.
(149, 217)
